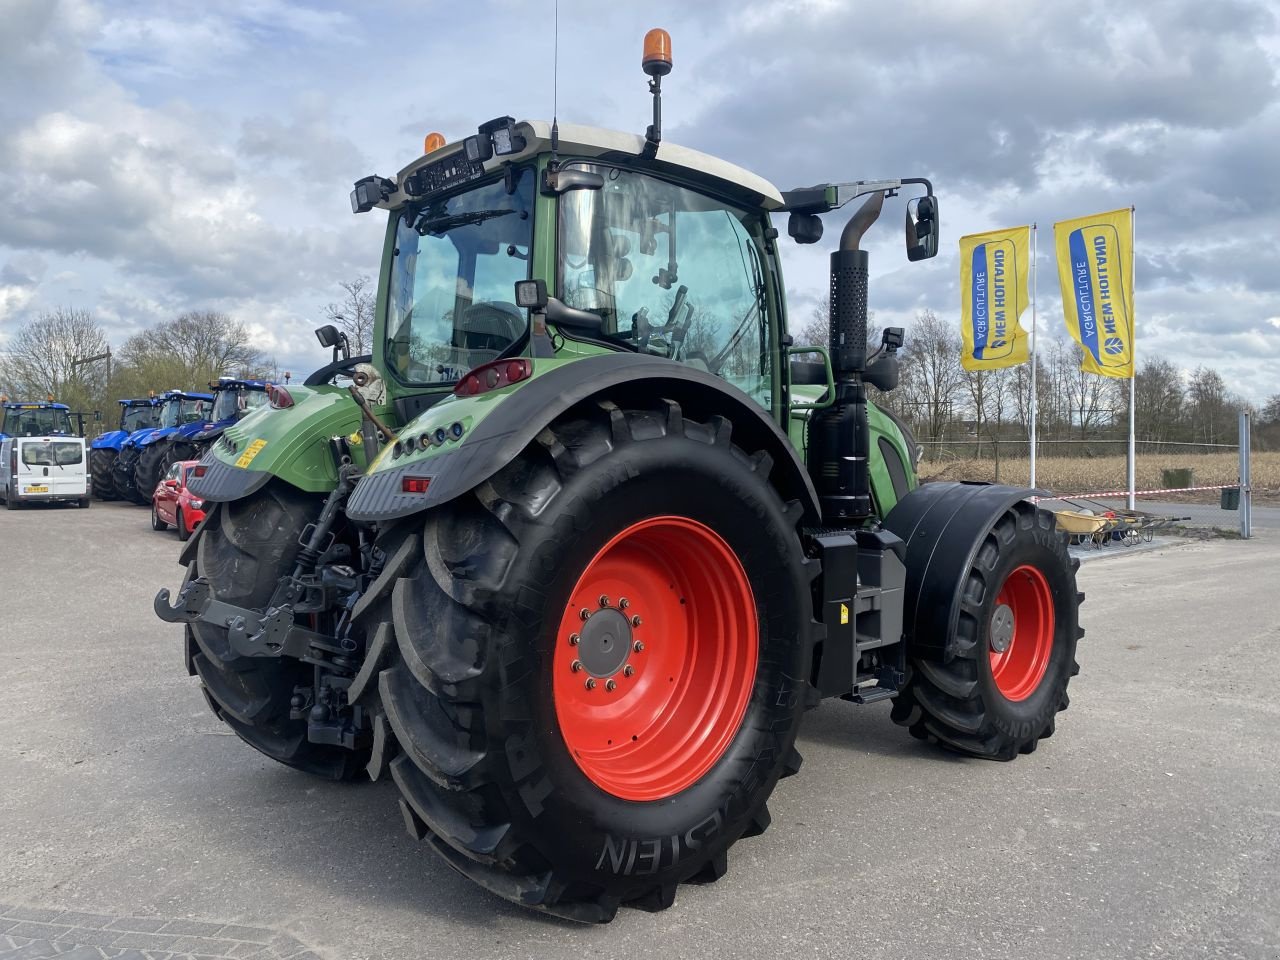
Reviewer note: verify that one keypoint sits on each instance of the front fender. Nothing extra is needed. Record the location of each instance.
(109, 441)
(291, 444)
(462, 441)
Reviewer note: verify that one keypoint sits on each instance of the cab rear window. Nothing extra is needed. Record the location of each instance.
(54, 453)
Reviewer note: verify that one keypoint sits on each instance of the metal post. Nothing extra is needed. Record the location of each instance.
(1035, 275)
(1133, 357)
(1246, 491)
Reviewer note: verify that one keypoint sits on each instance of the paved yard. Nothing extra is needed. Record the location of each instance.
(1149, 826)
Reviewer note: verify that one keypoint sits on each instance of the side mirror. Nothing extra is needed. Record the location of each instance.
(171, 484)
(922, 229)
(327, 335)
(804, 227)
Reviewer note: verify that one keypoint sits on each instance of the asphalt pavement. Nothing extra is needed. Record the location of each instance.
(131, 820)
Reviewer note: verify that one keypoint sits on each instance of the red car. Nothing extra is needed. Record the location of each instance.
(172, 504)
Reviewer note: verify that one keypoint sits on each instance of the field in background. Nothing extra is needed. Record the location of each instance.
(1082, 475)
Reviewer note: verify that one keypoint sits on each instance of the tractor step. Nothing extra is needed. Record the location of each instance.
(872, 694)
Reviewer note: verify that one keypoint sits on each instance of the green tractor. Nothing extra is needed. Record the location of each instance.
(570, 554)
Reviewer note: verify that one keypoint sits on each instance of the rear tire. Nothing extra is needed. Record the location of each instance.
(1015, 645)
(483, 720)
(101, 463)
(84, 503)
(244, 548)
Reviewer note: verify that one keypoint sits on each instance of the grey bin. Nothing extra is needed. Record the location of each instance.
(1230, 498)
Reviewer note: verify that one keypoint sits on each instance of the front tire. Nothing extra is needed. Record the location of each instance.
(122, 477)
(101, 463)
(574, 800)
(1015, 646)
(244, 548)
(156, 523)
(149, 469)
(184, 534)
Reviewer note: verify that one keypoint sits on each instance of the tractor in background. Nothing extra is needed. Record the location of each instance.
(579, 544)
(37, 418)
(135, 416)
(136, 472)
(233, 398)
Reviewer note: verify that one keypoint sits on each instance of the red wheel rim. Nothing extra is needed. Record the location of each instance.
(655, 658)
(1021, 633)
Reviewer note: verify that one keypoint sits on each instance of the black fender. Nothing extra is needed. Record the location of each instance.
(625, 379)
(943, 525)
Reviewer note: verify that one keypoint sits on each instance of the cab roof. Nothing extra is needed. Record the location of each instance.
(577, 140)
(34, 405)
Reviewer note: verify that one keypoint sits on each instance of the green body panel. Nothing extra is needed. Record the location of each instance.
(883, 496)
(467, 411)
(292, 443)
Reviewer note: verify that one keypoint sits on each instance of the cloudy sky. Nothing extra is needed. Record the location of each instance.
(156, 158)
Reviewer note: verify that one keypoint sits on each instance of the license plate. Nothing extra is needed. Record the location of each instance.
(38, 488)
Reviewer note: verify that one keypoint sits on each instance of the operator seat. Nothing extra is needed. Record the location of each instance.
(485, 330)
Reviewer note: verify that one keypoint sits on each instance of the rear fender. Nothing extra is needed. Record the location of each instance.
(943, 525)
(291, 444)
(494, 428)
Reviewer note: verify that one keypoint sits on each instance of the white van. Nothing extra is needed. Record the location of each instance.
(39, 469)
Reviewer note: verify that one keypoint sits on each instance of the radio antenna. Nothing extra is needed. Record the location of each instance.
(555, 88)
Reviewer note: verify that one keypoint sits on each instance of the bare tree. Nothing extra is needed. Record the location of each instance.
(931, 372)
(1158, 400)
(354, 314)
(41, 359)
(1212, 408)
(192, 349)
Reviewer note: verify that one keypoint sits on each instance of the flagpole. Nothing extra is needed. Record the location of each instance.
(1133, 355)
(1035, 274)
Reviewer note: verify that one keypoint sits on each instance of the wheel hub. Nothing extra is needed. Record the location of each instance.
(1002, 628)
(604, 641)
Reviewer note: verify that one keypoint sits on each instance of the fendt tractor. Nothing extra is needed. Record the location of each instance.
(136, 470)
(571, 552)
(233, 399)
(135, 415)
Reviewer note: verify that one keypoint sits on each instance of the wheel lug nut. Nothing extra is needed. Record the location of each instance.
(573, 639)
(591, 683)
(575, 666)
(628, 670)
(635, 621)
(638, 647)
(610, 685)
(604, 600)
(584, 613)
(624, 603)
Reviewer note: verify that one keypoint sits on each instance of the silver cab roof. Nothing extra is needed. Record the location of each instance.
(582, 141)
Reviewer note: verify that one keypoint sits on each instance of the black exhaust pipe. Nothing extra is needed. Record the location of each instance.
(839, 436)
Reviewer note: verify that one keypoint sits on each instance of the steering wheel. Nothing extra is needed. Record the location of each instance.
(331, 370)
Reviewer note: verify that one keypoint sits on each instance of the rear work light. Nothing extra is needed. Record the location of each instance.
(279, 397)
(493, 376)
(414, 484)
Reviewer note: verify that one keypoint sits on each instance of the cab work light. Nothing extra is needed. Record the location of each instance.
(370, 192)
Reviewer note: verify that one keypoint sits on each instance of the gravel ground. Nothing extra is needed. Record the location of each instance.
(1149, 826)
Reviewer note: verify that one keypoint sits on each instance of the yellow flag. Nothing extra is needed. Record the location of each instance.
(1095, 270)
(993, 294)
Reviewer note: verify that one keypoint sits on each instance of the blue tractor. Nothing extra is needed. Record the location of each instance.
(36, 419)
(135, 415)
(137, 468)
(232, 399)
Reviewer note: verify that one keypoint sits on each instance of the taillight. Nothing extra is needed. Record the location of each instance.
(493, 376)
(414, 484)
(279, 397)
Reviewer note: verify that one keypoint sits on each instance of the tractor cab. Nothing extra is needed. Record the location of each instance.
(35, 419)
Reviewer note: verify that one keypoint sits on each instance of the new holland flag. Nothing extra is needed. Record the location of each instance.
(1095, 269)
(993, 294)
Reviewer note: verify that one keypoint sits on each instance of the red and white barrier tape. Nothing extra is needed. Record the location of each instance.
(1136, 493)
